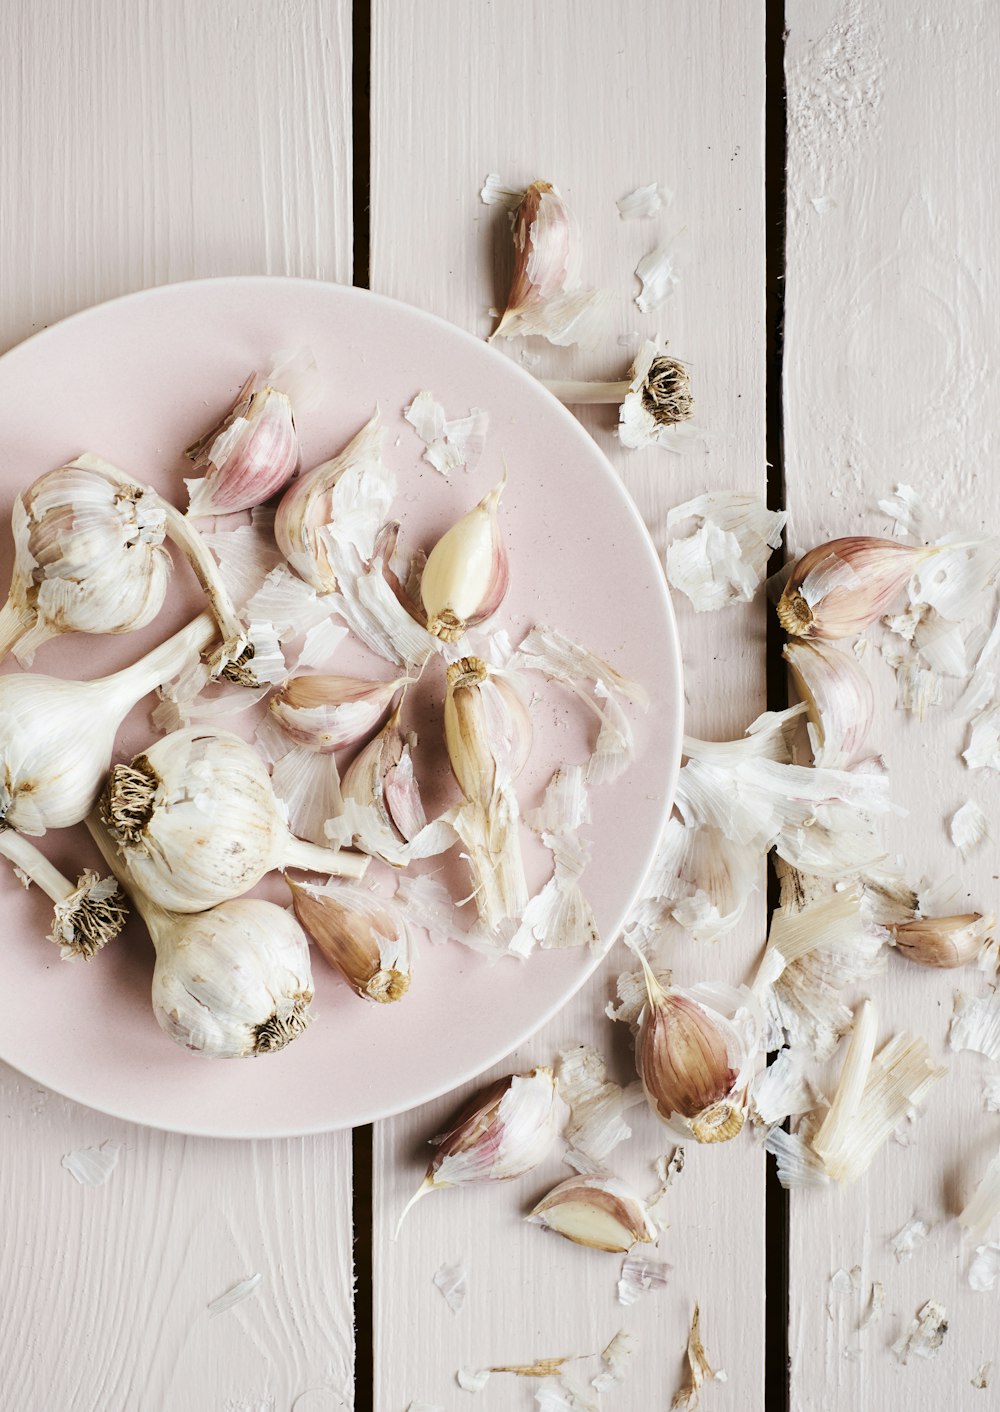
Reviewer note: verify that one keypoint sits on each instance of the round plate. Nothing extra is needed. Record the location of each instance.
(137, 380)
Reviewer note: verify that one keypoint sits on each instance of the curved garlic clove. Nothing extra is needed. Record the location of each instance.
(503, 1131)
(86, 914)
(838, 696)
(467, 574)
(363, 935)
(943, 942)
(197, 822)
(88, 557)
(326, 712)
(487, 729)
(346, 498)
(381, 783)
(695, 1054)
(56, 736)
(839, 588)
(599, 1211)
(248, 456)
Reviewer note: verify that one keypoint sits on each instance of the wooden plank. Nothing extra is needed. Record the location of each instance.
(891, 375)
(145, 144)
(599, 103)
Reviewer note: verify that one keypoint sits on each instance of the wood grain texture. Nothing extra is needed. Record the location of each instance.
(599, 100)
(891, 375)
(146, 144)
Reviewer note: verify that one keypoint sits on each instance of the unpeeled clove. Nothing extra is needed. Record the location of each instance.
(655, 397)
(599, 1211)
(324, 713)
(944, 942)
(504, 1131)
(467, 574)
(363, 935)
(839, 588)
(87, 914)
(248, 456)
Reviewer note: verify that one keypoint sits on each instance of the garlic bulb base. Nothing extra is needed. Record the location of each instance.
(279, 1030)
(718, 1123)
(446, 627)
(89, 918)
(127, 803)
(794, 615)
(386, 986)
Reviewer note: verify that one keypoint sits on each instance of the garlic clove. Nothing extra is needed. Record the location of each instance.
(380, 784)
(487, 729)
(248, 456)
(327, 712)
(467, 573)
(839, 588)
(944, 942)
(598, 1211)
(839, 698)
(363, 935)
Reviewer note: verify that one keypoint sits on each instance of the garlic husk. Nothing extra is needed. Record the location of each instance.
(86, 915)
(599, 1211)
(597, 1107)
(342, 501)
(695, 1052)
(724, 559)
(248, 456)
(685, 1399)
(504, 1131)
(88, 557)
(327, 712)
(230, 982)
(983, 1206)
(943, 942)
(197, 822)
(56, 736)
(467, 573)
(839, 697)
(363, 935)
(180, 530)
(839, 588)
(450, 445)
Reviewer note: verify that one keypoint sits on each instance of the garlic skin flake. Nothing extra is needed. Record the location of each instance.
(248, 456)
(467, 573)
(909, 1238)
(982, 1207)
(88, 557)
(86, 915)
(599, 1211)
(453, 1283)
(640, 1276)
(642, 203)
(925, 1335)
(724, 560)
(975, 1024)
(968, 828)
(597, 1107)
(699, 1370)
(839, 697)
(327, 712)
(364, 935)
(659, 278)
(451, 445)
(839, 588)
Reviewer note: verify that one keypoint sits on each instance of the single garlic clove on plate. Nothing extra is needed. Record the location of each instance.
(467, 574)
(248, 456)
(363, 935)
(839, 588)
(599, 1211)
(327, 712)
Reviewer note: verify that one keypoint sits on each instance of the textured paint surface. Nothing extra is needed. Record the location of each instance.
(144, 144)
(525, 80)
(891, 376)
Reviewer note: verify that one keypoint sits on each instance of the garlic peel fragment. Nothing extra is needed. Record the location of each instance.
(248, 456)
(723, 561)
(839, 696)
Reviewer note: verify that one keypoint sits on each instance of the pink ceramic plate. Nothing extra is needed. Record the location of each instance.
(136, 381)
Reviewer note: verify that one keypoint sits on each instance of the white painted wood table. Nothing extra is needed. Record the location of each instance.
(147, 144)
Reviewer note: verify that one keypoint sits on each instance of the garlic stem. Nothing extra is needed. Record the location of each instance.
(576, 393)
(14, 623)
(24, 855)
(161, 663)
(853, 1077)
(311, 858)
(88, 914)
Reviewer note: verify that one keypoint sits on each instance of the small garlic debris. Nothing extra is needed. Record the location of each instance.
(983, 749)
(616, 1358)
(796, 1163)
(472, 1379)
(598, 1211)
(236, 1295)
(909, 1238)
(657, 272)
(640, 1275)
(925, 1335)
(503, 1131)
(991, 1092)
(567, 1394)
(701, 878)
(597, 1108)
(975, 1024)
(839, 588)
(467, 573)
(565, 805)
(453, 1283)
(984, 1268)
(839, 696)
(559, 915)
(451, 445)
(723, 561)
(980, 1210)
(907, 511)
(643, 202)
(686, 1399)
(92, 1166)
(876, 1305)
(545, 297)
(363, 935)
(982, 1376)
(494, 193)
(781, 1090)
(944, 942)
(968, 828)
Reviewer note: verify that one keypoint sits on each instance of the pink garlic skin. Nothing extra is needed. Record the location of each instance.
(249, 456)
(325, 713)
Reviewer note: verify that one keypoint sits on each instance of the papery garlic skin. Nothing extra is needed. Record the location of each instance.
(943, 942)
(837, 589)
(248, 456)
(197, 822)
(467, 573)
(382, 797)
(360, 933)
(839, 696)
(327, 712)
(599, 1211)
(88, 557)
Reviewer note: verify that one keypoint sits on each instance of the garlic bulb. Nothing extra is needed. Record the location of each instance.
(838, 588)
(467, 574)
(229, 982)
(197, 822)
(88, 557)
(326, 712)
(595, 1210)
(56, 736)
(248, 456)
(695, 1053)
(943, 942)
(839, 698)
(503, 1131)
(87, 914)
(363, 935)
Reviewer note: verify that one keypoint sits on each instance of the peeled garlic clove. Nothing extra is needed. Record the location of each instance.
(487, 729)
(326, 712)
(248, 456)
(838, 696)
(695, 1052)
(944, 942)
(598, 1211)
(86, 915)
(838, 588)
(467, 574)
(363, 935)
(196, 819)
(504, 1131)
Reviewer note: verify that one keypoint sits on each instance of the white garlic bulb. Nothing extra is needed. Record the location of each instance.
(197, 822)
(56, 736)
(88, 557)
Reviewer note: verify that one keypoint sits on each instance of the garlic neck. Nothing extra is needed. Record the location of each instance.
(311, 858)
(14, 623)
(132, 683)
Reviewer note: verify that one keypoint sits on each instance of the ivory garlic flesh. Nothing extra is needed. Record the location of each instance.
(467, 574)
(596, 1210)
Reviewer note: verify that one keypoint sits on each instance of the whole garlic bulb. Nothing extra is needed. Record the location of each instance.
(88, 557)
(197, 822)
